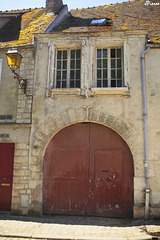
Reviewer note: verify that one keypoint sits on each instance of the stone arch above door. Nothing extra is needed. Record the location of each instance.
(42, 134)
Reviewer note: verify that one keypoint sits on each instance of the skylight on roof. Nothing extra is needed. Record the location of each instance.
(98, 21)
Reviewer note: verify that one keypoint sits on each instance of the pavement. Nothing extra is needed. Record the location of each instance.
(75, 228)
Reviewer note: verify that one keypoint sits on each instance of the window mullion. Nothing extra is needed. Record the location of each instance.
(109, 67)
(61, 69)
(68, 68)
(55, 72)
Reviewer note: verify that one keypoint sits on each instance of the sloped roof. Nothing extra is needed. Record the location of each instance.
(132, 15)
(19, 31)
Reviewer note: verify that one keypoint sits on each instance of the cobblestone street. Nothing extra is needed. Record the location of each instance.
(69, 227)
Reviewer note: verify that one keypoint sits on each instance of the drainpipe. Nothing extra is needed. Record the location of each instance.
(147, 189)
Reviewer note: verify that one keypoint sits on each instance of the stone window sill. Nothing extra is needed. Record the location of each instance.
(64, 91)
(124, 91)
(109, 91)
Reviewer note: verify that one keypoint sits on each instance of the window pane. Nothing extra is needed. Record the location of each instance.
(63, 84)
(98, 73)
(72, 74)
(64, 64)
(99, 83)
(72, 54)
(58, 85)
(119, 73)
(113, 54)
(113, 73)
(64, 74)
(105, 83)
(78, 74)
(78, 53)
(113, 63)
(118, 63)
(58, 64)
(113, 83)
(119, 83)
(64, 54)
(59, 54)
(105, 53)
(72, 64)
(99, 63)
(78, 84)
(119, 52)
(104, 63)
(71, 84)
(58, 74)
(78, 65)
(98, 53)
(104, 73)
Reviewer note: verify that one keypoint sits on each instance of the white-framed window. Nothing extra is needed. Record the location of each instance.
(109, 67)
(0, 71)
(68, 68)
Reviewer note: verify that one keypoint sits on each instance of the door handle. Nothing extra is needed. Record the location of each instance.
(108, 179)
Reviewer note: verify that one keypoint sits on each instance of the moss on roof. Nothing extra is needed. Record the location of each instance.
(125, 16)
(32, 21)
(132, 15)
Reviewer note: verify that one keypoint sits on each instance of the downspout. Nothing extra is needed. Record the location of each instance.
(147, 189)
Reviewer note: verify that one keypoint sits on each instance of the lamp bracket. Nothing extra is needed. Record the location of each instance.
(22, 82)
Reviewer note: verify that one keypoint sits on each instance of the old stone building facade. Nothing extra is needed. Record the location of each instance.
(78, 132)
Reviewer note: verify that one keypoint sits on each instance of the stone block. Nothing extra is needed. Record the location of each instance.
(154, 213)
(155, 198)
(24, 200)
(19, 172)
(72, 115)
(102, 117)
(139, 183)
(80, 114)
(21, 152)
(15, 200)
(138, 212)
(15, 193)
(139, 198)
(95, 115)
(18, 186)
(21, 145)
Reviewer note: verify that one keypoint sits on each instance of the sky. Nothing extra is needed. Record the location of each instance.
(72, 4)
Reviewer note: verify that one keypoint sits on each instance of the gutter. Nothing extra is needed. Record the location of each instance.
(147, 189)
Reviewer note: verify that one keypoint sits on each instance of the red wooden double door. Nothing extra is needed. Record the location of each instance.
(88, 170)
(6, 175)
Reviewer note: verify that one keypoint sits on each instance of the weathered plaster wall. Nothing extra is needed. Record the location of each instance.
(52, 111)
(8, 89)
(17, 129)
(153, 126)
(121, 112)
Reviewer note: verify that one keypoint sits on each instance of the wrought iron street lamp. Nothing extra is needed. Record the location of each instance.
(14, 60)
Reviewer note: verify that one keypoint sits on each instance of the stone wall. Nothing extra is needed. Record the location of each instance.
(17, 130)
(119, 110)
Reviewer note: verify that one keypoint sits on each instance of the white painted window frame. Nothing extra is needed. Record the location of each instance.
(111, 43)
(68, 67)
(109, 66)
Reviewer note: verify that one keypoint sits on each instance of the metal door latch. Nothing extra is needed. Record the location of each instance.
(108, 179)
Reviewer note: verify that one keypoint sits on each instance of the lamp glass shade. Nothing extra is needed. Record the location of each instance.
(14, 58)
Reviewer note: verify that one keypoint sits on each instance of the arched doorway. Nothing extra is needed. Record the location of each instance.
(88, 170)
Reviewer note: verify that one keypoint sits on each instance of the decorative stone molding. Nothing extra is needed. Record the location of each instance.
(44, 133)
